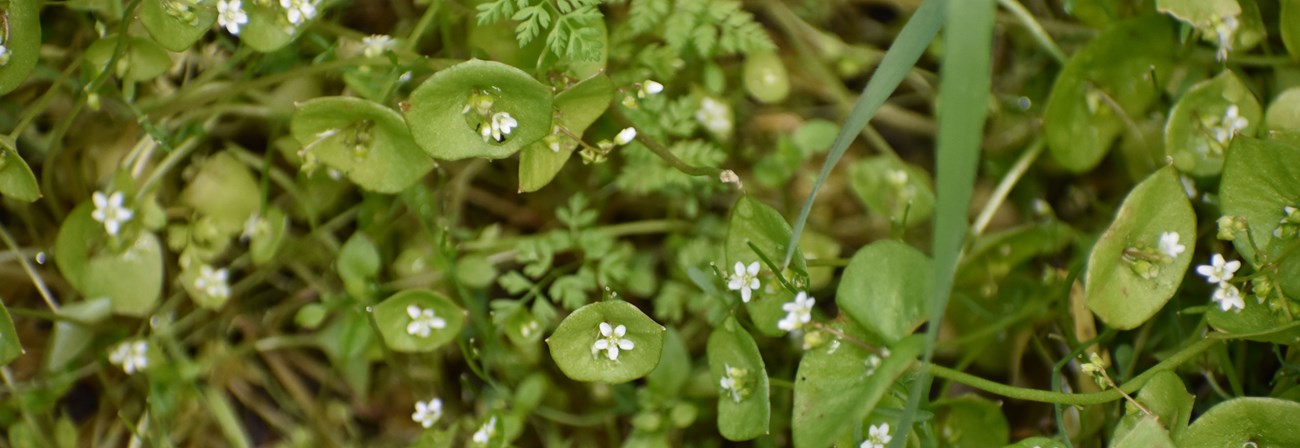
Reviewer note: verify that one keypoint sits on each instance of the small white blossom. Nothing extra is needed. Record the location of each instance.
(298, 11)
(1229, 125)
(1219, 270)
(376, 45)
(427, 412)
(484, 433)
(527, 329)
(745, 280)
(213, 282)
(498, 127)
(611, 341)
(625, 136)
(872, 363)
(1169, 244)
(798, 312)
(715, 116)
(733, 382)
(1228, 297)
(132, 356)
(231, 15)
(877, 436)
(1224, 30)
(728, 177)
(648, 88)
(423, 321)
(109, 211)
(255, 225)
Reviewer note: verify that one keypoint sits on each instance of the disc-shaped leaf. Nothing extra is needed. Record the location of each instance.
(10, 346)
(141, 58)
(362, 139)
(72, 247)
(840, 383)
(765, 77)
(752, 221)
(132, 279)
(16, 178)
(1204, 121)
(406, 325)
(1289, 26)
(1255, 322)
(575, 350)
(23, 40)
(1113, 72)
(1199, 13)
(1264, 422)
(225, 191)
(575, 110)
(1167, 399)
(894, 188)
(971, 421)
(886, 289)
(264, 31)
(1259, 182)
(744, 409)
(442, 125)
(173, 28)
(1129, 278)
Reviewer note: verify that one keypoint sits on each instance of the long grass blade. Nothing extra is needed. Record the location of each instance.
(898, 60)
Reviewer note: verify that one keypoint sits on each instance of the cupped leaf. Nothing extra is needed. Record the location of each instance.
(971, 421)
(575, 350)
(22, 23)
(1167, 399)
(362, 139)
(265, 30)
(175, 25)
(1130, 276)
(1206, 119)
(414, 321)
(1113, 72)
(10, 346)
(132, 279)
(225, 191)
(1258, 184)
(446, 124)
(753, 222)
(840, 383)
(894, 188)
(16, 178)
(1262, 422)
(886, 289)
(744, 408)
(575, 110)
(141, 58)
(765, 77)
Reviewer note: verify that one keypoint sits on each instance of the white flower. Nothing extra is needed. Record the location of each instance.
(4, 55)
(878, 437)
(733, 382)
(1169, 244)
(1219, 270)
(1229, 297)
(611, 341)
(1229, 125)
(1224, 29)
(423, 321)
(728, 177)
(872, 363)
(527, 330)
(255, 225)
(745, 280)
(109, 210)
(230, 14)
(498, 127)
(212, 282)
(298, 11)
(714, 115)
(484, 433)
(625, 136)
(798, 312)
(897, 178)
(376, 45)
(427, 413)
(648, 88)
(132, 356)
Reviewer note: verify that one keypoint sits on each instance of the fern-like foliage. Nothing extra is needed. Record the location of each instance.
(646, 173)
(572, 28)
(709, 27)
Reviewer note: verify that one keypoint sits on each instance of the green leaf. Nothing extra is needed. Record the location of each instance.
(745, 410)
(266, 240)
(1255, 322)
(815, 136)
(23, 40)
(575, 110)
(1115, 69)
(840, 383)
(1283, 113)
(362, 139)
(1128, 278)
(1267, 422)
(1197, 133)
(10, 346)
(142, 59)
(1258, 184)
(994, 256)
(358, 264)
(886, 289)
(753, 222)
(1289, 26)
(572, 344)
(400, 330)
(16, 178)
(225, 191)
(345, 341)
(1146, 434)
(1168, 401)
(174, 29)
(1199, 13)
(264, 31)
(71, 336)
(437, 117)
(132, 279)
(765, 77)
(674, 368)
(1037, 442)
(893, 188)
(475, 271)
(971, 421)
(72, 247)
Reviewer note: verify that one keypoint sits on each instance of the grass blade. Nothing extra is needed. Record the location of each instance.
(898, 60)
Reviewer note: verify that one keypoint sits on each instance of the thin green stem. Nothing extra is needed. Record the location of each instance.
(1035, 29)
(1004, 187)
(182, 151)
(31, 272)
(665, 154)
(422, 26)
(34, 110)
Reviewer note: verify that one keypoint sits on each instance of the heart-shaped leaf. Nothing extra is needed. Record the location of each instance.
(1258, 184)
(447, 111)
(1134, 269)
(893, 188)
(575, 110)
(839, 383)
(886, 289)
(607, 342)
(753, 222)
(418, 321)
(22, 20)
(744, 409)
(1257, 421)
(1205, 120)
(174, 27)
(362, 139)
(16, 178)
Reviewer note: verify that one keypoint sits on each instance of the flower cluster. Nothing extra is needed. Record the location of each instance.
(376, 45)
(1223, 128)
(715, 116)
(645, 89)
(1225, 28)
(427, 412)
(877, 436)
(423, 321)
(213, 282)
(745, 280)
(735, 382)
(798, 312)
(485, 432)
(132, 356)
(611, 340)
(1289, 225)
(110, 212)
(1145, 260)
(1218, 273)
(231, 15)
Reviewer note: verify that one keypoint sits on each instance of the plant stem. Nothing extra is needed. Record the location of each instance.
(664, 153)
(1005, 185)
(1034, 28)
(27, 267)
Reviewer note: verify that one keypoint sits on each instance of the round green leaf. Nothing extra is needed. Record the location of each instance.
(971, 421)
(674, 367)
(893, 188)
(142, 59)
(265, 30)
(839, 383)
(132, 279)
(10, 347)
(362, 139)
(71, 336)
(1167, 399)
(16, 178)
(23, 41)
(1199, 13)
(72, 247)
(886, 288)
(1255, 322)
(437, 115)
(402, 332)
(752, 221)
(815, 136)
(744, 411)
(572, 344)
(1258, 184)
(765, 77)
(267, 236)
(1268, 422)
(173, 28)
(1289, 26)
(358, 264)
(1128, 277)
(225, 191)
(1200, 126)
(1080, 121)
(1283, 113)
(575, 110)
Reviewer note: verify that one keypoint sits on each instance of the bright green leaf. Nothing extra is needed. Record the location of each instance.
(1146, 434)
(1204, 121)
(405, 322)
(225, 191)
(1283, 113)
(141, 59)
(840, 383)
(886, 289)
(358, 263)
(744, 409)
(268, 236)
(1267, 422)
(72, 335)
(765, 77)
(10, 347)
(674, 367)
(893, 188)
(575, 110)
(362, 139)
(22, 20)
(1167, 399)
(752, 221)
(1199, 13)
(1289, 26)
(1255, 322)
(575, 348)
(996, 255)
(264, 31)
(1258, 184)
(974, 422)
(16, 178)
(131, 279)
(173, 28)
(437, 116)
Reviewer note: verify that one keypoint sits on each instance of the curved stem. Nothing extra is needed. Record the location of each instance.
(1005, 185)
